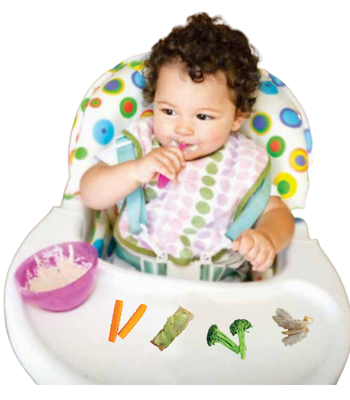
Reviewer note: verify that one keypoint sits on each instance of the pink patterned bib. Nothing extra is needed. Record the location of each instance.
(191, 217)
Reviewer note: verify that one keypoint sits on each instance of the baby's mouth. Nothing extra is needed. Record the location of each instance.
(187, 147)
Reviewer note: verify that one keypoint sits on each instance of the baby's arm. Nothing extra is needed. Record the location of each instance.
(277, 222)
(272, 233)
(102, 185)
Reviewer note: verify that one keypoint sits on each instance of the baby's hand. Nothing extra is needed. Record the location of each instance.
(257, 248)
(168, 161)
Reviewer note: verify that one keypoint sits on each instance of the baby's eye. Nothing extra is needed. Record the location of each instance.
(167, 111)
(204, 117)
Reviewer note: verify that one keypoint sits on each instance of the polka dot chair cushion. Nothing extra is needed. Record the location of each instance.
(277, 122)
(110, 105)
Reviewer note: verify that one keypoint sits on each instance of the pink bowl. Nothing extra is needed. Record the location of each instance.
(67, 297)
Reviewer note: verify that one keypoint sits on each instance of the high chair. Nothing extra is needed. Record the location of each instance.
(73, 347)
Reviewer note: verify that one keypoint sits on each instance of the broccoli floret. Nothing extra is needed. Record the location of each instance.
(240, 326)
(216, 336)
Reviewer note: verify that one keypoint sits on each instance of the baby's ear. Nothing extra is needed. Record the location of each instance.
(240, 117)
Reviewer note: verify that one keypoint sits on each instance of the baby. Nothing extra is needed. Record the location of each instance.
(202, 79)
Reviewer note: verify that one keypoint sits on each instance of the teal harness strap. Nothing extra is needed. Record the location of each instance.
(254, 208)
(135, 200)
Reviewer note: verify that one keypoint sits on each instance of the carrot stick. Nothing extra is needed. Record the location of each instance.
(118, 307)
(132, 321)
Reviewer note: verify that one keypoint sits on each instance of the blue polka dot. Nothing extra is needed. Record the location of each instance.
(114, 86)
(103, 131)
(276, 81)
(138, 80)
(268, 88)
(259, 122)
(98, 244)
(308, 140)
(300, 161)
(290, 118)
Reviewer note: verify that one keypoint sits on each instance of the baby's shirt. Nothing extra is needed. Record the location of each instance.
(189, 218)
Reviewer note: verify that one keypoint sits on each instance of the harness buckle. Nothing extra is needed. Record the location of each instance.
(205, 258)
(162, 258)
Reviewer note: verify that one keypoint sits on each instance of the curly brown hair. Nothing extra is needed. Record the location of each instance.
(204, 46)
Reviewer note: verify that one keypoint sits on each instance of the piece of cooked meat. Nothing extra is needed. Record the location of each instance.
(290, 323)
(281, 312)
(296, 337)
(297, 329)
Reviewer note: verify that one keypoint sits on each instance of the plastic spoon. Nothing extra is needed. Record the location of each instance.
(163, 180)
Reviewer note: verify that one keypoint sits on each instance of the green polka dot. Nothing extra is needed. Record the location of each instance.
(84, 104)
(96, 102)
(154, 183)
(190, 231)
(185, 241)
(186, 254)
(206, 193)
(98, 214)
(80, 153)
(211, 168)
(198, 222)
(217, 156)
(276, 146)
(128, 107)
(203, 207)
(150, 194)
(283, 187)
(68, 196)
(208, 180)
(135, 64)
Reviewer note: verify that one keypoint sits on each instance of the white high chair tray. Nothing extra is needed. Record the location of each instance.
(73, 348)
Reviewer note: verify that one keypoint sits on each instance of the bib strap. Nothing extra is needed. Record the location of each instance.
(252, 211)
(135, 200)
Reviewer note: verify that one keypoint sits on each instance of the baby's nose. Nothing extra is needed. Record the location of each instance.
(184, 129)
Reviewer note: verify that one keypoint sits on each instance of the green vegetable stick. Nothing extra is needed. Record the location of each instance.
(174, 326)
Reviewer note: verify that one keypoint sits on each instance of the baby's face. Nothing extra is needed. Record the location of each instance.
(198, 114)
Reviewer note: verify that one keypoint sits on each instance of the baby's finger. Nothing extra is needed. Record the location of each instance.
(269, 262)
(262, 268)
(246, 244)
(252, 254)
(173, 160)
(175, 155)
(173, 166)
(259, 260)
(236, 244)
(163, 168)
(263, 261)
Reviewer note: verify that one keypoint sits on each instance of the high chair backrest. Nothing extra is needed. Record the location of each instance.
(278, 122)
